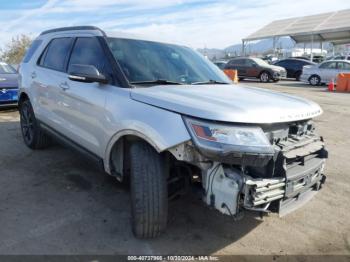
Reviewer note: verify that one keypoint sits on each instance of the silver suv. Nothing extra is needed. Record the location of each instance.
(166, 119)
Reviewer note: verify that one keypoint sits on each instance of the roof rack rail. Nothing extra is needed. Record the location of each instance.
(70, 28)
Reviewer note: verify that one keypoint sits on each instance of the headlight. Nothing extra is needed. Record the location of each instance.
(225, 139)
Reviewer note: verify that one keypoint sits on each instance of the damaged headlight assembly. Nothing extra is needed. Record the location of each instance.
(220, 140)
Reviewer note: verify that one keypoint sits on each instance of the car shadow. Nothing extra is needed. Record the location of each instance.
(66, 205)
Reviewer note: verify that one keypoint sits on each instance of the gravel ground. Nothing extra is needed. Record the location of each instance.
(56, 202)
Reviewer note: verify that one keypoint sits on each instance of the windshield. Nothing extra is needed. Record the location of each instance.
(6, 69)
(260, 62)
(146, 61)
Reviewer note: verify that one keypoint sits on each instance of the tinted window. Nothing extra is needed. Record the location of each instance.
(237, 62)
(33, 47)
(329, 65)
(56, 54)
(343, 66)
(249, 63)
(282, 63)
(88, 51)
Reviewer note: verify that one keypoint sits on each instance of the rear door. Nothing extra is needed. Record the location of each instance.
(48, 73)
(328, 71)
(237, 64)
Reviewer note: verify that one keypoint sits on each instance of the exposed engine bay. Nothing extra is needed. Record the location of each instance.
(278, 182)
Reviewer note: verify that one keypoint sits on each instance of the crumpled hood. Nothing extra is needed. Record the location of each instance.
(230, 103)
(8, 80)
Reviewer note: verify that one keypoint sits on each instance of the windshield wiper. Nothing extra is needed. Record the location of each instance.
(156, 82)
(210, 82)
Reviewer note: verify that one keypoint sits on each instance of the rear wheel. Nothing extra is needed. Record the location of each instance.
(241, 78)
(265, 77)
(33, 135)
(314, 80)
(149, 194)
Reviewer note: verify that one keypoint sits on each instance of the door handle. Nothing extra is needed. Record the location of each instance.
(33, 75)
(64, 86)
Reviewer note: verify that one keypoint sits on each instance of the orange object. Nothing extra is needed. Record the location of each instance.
(343, 82)
(331, 86)
(232, 74)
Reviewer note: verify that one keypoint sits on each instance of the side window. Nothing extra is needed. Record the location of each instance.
(281, 63)
(343, 66)
(88, 51)
(233, 62)
(249, 63)
(56, 54)
(329, 65)
(33, 47)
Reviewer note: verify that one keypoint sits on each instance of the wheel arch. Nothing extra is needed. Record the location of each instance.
(264, 71)
(114, 155)
(22, 97)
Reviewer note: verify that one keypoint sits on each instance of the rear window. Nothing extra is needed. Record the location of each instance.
(56, 54)
(33, 47)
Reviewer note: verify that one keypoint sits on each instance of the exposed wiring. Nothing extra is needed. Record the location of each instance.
(211, 172)
(229, 211)
(212, 180)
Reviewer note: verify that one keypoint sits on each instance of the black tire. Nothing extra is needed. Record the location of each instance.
(265, 77)
(149, 192)
(241, 78)
(33, 135)
(297, 75)
(314, 80)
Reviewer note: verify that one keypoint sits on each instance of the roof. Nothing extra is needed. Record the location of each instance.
(71, 28)
(330, 27)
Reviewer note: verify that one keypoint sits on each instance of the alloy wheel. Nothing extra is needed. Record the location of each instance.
(27, 123)
(264, 77)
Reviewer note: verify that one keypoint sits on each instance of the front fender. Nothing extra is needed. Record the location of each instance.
(161, 128)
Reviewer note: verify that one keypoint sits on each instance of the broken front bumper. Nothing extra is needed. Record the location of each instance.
(290, 192)
(297, 174)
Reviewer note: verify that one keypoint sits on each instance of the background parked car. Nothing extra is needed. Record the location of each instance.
(339, 57)
(315, 58)
(325, 72)
(8, 85)
(221, 64)
(251, 67)
(294, 66)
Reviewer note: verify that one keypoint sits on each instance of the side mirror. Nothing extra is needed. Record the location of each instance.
(255, 65)
(86, 74)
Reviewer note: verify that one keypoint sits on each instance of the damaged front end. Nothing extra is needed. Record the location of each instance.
(278, 174)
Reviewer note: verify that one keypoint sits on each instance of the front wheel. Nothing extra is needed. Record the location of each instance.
(265, 77)
(314, 80)
(33, 135)
(149, 192)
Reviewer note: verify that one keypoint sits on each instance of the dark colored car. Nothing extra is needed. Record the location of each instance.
(251, 67)
(8, 85)
(294, 66)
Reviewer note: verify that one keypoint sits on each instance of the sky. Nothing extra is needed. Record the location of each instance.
(196, 23)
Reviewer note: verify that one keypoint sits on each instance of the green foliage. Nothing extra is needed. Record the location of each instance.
(15, 49)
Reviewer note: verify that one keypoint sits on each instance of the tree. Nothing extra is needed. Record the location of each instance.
(15, 49)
